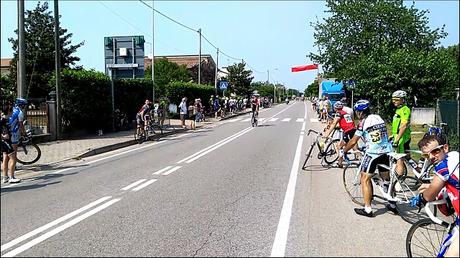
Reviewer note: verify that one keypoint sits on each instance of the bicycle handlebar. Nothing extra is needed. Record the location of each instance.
(430, 213)
(311, 130)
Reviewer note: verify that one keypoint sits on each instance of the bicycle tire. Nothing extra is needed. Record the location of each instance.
(430, 232)
(331, 154)
(28, 154)
(308, 156)
(352, 184)
(139, 137)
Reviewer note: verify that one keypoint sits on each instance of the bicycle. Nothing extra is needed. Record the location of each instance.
(328, 154)
(429, 237)
(141, 134)
(254, 118)
(396, 190)
(28, 152)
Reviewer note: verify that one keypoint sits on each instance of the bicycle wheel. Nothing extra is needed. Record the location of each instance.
(308, 156)
(352, 184)
(425, 238)
(330, 154)
(28, 154)
(139, 136)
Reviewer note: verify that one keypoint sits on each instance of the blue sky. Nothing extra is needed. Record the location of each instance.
(268, 35)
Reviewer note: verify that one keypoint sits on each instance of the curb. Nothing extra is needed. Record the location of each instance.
(238, 114)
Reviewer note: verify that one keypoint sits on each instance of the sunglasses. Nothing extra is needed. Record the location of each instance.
(435, 151)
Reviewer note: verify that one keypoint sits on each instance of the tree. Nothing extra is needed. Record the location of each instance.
(385, 46)
(239, 79)
(208, 73)
(39, 51)
(312, 89)
(166, 72)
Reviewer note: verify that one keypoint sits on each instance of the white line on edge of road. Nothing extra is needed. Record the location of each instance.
(171, 170)
(279, 244)
(161, 170)
(133, 184)
(52, 223)
(55, 231)
(144, 185)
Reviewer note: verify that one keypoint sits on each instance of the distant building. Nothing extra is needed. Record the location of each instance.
(188, 60)
(5, 64)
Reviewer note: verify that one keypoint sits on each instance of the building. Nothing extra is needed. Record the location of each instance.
(5, 64)
(188, 60)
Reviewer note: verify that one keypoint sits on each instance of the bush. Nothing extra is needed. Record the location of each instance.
(177, 90)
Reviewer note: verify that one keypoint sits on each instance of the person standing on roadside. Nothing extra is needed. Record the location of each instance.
(400, 129)
(6, 146)
(183, 111)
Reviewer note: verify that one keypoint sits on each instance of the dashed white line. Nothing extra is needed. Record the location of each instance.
(171, 170)
(161, 170)
(144, 185)
(133, 185)
(245, 120)
(273, 119)
(314, 120)
(286, 119)
(301, 120)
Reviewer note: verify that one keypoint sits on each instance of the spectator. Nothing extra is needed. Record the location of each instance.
(183, 111)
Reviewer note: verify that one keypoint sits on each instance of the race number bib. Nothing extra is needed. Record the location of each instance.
(348, 118)
(376, 136)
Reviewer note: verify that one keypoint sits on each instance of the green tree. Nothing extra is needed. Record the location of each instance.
(312, 89)
(264, 89)
(166, 72)
(208, 73)
(239, 79)
(39, 49)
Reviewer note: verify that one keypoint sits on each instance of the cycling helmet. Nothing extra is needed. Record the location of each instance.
(21, 101)
(338, 105)
(147, 101)
(343, 100)
(362, 105)
(399, 94)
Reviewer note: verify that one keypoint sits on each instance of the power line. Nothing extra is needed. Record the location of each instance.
(183, 25)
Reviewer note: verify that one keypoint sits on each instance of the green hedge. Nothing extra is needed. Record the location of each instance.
(177, 90)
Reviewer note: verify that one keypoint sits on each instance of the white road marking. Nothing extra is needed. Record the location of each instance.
(314, 120)
(234, 120)
(279, 245)
(171, 170)
(286, 119)
(245, 120)
(301, 120)
(62, 170)
(132, 185)
(144, 185)
(261, 119)
(273, 119)
(161, 170)
(52, 223)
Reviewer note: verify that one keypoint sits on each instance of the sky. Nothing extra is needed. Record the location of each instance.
(270, 36)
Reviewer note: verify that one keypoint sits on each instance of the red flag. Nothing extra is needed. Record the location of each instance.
(304, 68)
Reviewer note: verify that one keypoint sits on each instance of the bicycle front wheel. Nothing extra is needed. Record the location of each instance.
(308, 156)
(425, 238)
(28, 154)
(331, 154)
(352, 184)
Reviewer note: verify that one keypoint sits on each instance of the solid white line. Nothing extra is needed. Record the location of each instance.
(279, 244)
(144, 185)
(60, 171)
(234, 120)
(245, 120)
(52, 223)
(198, 152)
(58, 229)
(300, 120)
(171, 170)
(273, 119)
(161, 170)
(124, 152)
(133, 184)
(286, 119)
(217, 146)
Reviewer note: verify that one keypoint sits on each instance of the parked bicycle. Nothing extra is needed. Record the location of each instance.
(429, 237)
(398, 189)
(141, 134)
(28, 152)
(329, 154)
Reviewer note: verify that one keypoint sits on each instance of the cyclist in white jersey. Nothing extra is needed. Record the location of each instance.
(372, 130)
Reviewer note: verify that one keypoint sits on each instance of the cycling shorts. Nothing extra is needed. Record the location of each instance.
(346, 136)
(6, 146)
(370, 161)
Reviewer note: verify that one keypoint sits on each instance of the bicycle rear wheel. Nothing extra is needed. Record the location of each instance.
(331, 154)
(425, 238)
(28, 154)
(352, 184)
(308, 156)
(139, 136)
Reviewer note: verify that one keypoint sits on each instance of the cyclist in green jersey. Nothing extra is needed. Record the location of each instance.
(400, 128)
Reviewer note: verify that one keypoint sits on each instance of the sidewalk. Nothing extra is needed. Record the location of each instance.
(58, 151)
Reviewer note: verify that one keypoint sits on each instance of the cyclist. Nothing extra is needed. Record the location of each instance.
(373, 130)
(400, 128)
(255, 103)
(345, 108)
(346, 123)
(446, 169)
(143, 116)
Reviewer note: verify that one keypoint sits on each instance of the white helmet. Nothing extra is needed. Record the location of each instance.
(338, 105)
(399, 94)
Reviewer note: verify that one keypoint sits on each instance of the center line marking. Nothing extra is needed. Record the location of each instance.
(171, 170)
(161, 170)
(286, 119)
(144, 185)
(133, 184)
(273, 119)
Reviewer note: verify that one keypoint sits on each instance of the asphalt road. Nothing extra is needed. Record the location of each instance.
(229, 190)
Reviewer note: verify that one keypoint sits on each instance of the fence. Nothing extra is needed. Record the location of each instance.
(447, 112)
(37, 117)
(421, 116)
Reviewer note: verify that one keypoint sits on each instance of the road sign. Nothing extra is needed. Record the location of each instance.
(223, 85)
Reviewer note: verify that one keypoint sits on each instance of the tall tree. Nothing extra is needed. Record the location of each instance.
(239, 79)
(166, 72)
(208, 73)
(39, 46)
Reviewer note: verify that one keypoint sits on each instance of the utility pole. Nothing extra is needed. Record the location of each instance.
(57, 60)
(199, 60)
(153, 54)
(217, 70)
(21, 65)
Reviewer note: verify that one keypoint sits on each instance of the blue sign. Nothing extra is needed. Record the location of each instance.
(223, 85)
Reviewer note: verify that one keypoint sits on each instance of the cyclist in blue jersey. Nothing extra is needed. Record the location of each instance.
(372, 130)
